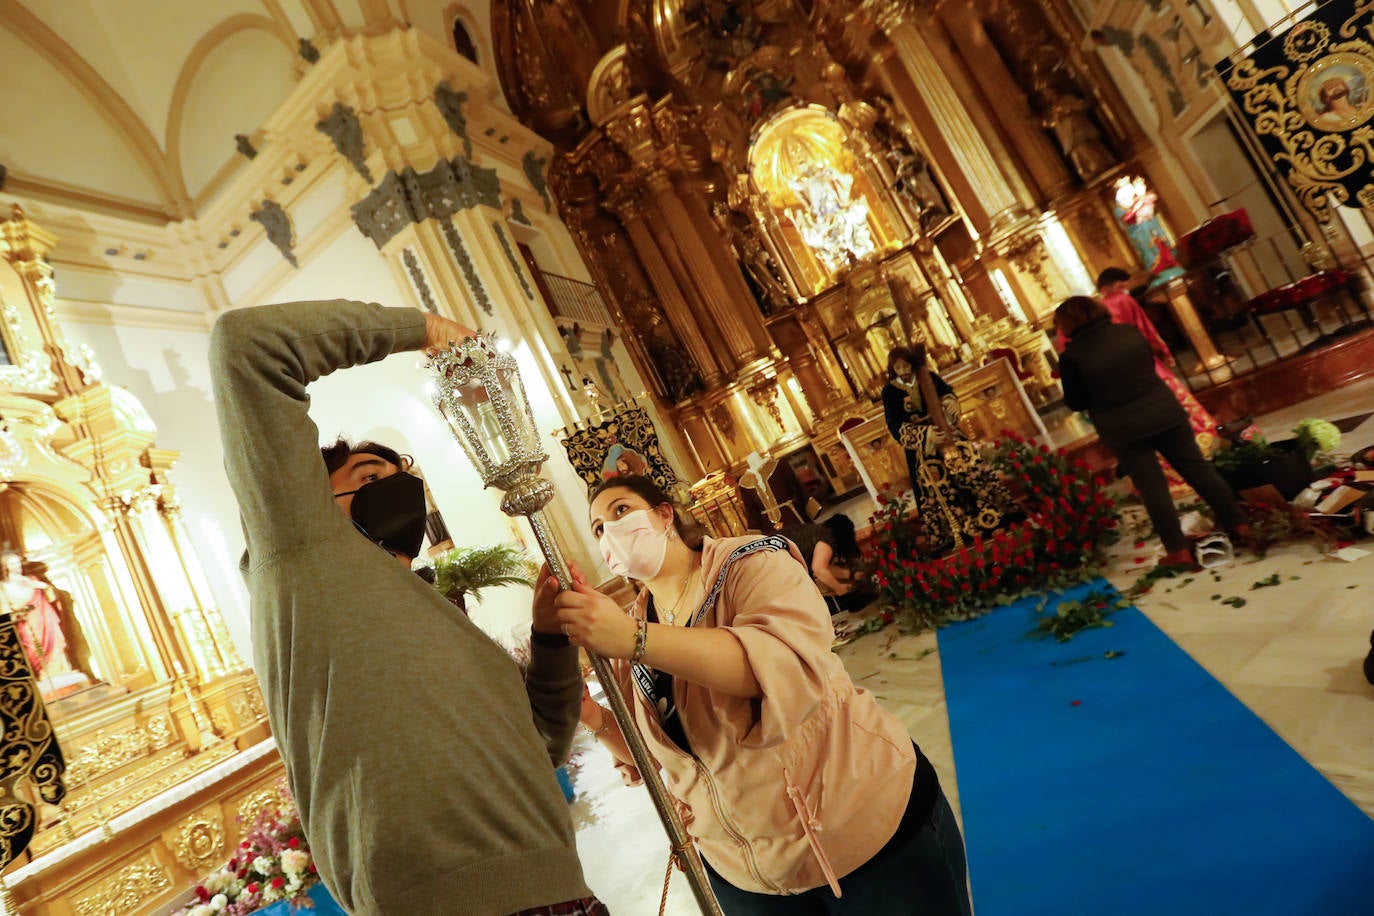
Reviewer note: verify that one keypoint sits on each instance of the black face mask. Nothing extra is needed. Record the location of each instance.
(392, 511)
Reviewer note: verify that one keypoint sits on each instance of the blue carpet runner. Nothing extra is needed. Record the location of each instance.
(1159, 794)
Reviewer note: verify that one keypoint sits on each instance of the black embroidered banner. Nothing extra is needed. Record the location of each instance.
(1309, 94)
(625, 443)
(29, 751)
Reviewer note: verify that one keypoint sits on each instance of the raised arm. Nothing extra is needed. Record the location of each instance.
(261, 360)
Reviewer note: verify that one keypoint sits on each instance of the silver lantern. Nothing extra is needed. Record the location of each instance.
(479, 392)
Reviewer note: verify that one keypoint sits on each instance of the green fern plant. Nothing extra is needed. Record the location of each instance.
(462, 573)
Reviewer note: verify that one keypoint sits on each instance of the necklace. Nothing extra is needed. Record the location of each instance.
(671, 614)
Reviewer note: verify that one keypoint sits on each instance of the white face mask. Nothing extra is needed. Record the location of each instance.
(632, 547)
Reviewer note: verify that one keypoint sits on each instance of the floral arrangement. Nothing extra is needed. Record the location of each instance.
(1317, 438)
(1070, 521)
(272, 863)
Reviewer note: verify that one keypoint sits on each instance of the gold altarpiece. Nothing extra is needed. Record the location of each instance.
(153, 693)
(774, 193)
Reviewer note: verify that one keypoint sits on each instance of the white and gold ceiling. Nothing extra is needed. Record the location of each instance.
(130, 107)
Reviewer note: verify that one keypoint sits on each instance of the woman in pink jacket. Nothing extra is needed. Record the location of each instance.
(802, 794)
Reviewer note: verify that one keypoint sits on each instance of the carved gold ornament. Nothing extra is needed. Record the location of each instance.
(123, 891)
(199, 840)
(1310, 98)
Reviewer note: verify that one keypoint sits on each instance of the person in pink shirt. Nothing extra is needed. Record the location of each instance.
(1113, 288)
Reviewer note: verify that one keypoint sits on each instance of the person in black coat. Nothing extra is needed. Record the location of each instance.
(958, 495)
(1108, 370)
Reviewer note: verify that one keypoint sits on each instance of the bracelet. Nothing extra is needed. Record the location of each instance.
(641, 637)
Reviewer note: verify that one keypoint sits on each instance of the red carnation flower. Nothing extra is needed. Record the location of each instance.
(294, 842)
(278, 882)
(203, 894)
(252, 887)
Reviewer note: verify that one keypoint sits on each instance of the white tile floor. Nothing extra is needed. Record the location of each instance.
(1293, 654)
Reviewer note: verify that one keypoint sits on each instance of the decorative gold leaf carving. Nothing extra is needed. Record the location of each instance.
(123, 891)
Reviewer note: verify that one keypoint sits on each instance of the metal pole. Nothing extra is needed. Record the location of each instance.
(648, 767)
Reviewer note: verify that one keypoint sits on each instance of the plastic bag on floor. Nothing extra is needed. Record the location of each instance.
(1215, 550)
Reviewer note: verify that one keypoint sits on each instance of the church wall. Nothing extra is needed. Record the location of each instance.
(167, 369)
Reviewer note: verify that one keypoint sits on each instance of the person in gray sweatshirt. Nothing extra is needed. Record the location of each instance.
(419, 760)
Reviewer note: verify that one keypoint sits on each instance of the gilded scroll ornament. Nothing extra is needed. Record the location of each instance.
(1309, 97)
(724, 420)
(198, 842)
(766, 397)
(125, 890)
(250, 806)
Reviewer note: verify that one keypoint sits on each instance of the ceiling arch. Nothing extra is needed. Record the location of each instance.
(190, 69)
(109, 103)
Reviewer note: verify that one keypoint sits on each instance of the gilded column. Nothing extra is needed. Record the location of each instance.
(980, 158)
(662, 276)
(167, 579)
(735, 295)
(172, 651)
(1043, 164)
(220, 641)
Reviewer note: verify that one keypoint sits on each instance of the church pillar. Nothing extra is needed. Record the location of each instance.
(191, 643)
(1186, 315)
(700, 437)
(220, 641)
(736, 299)
(664, 278)
(161, 629)
(925, 77)
(1045, 169)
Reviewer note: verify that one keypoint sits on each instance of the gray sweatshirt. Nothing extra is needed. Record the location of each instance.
(419, 760)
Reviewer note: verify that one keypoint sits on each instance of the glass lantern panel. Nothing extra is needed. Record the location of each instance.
(480, 412)
(513, 388)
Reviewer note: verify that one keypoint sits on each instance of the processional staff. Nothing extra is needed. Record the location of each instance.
(480, 394)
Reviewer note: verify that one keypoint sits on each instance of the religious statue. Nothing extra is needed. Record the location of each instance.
(833, 219)
(1067, 116)
(914, 182)
(592, 394)
(1134, 206)
(34, 606)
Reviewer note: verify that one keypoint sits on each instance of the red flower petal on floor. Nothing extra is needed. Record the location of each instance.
(1075, 702)
(1140, 559)
(1139, 544)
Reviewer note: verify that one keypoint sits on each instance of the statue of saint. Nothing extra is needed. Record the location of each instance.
(1066, 116)
(34, 606)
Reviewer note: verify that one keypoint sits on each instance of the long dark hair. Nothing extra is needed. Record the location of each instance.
(1077, 312)
(914, 356)
(651, 493)
(842, 527)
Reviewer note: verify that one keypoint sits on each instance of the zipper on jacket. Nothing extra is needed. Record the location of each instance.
(733, 829)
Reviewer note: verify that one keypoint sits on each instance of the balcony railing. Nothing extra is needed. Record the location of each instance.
(574, 300)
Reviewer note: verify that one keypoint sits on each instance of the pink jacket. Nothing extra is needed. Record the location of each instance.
(797, 789)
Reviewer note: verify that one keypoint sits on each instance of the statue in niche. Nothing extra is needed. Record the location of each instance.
(760, 269)
(680, 377)
(34, 604)
(730, 31)
(912, 179)
(1068, 117)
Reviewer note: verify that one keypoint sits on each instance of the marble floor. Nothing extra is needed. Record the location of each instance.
(1292, 654)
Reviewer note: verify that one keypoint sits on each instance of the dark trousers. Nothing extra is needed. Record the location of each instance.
(920, 871)
(1139, 460)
